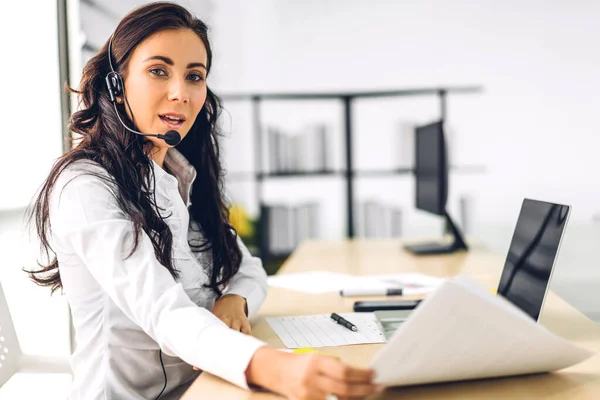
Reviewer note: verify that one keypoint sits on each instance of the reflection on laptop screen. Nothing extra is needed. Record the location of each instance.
(533, 250)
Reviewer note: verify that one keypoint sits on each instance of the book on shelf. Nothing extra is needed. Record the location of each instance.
(378, 220)
(283, 226)
(406, 144)
(305, 151)
(466, 213)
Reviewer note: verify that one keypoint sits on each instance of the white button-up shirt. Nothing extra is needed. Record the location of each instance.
(125, 310)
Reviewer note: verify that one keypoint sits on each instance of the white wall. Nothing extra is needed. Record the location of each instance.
(31, 125)
(533, 127)
(31, 141)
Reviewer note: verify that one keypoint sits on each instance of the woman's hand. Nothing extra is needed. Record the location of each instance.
(233, 310)
(309, 376)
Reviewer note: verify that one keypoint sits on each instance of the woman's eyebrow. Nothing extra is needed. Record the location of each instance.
(168, 61)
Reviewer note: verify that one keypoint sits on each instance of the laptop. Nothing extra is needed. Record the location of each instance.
(532, 254)
(529, 263)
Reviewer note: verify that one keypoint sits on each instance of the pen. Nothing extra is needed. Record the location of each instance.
(398, 291)
(344, 322)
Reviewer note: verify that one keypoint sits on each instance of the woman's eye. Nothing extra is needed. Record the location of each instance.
(153, 71)
(196, 77)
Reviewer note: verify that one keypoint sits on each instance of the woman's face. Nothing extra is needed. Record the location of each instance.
(165, 82)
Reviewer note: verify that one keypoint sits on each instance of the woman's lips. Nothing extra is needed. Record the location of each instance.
(171, 124)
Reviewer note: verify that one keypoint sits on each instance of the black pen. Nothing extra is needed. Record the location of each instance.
(344, 322)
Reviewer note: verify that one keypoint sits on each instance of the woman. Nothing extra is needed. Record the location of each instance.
(137, 235)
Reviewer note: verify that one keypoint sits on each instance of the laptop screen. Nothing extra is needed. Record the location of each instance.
(533, 250)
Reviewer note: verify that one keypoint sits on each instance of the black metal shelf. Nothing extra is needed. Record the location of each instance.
(298, 174)
(463, 169)
(349, 172)
(291, 174)
(251, 176)
(354, 94)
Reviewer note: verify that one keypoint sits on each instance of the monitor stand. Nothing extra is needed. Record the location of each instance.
(440, 248)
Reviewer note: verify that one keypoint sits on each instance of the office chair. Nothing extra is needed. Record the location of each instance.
(10, 350)
(13, 361)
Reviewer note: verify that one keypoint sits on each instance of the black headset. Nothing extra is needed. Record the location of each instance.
(116, 88)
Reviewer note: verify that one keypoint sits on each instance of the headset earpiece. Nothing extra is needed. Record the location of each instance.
(114, 84)
(114, 81)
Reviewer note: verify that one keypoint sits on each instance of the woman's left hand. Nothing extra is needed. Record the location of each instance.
(232, 309)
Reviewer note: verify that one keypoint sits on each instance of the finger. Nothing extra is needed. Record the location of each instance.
(334, 368)
(236, 325)
(196, 368)
(246, 328)
(226, 321)
(346, 389)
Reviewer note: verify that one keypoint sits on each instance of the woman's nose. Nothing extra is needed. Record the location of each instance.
(178, 90)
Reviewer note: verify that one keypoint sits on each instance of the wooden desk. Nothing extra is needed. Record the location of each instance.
(361, 257)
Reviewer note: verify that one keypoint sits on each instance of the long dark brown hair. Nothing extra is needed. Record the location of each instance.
(124, 156)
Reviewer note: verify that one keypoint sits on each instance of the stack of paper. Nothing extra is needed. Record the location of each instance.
(462, 332)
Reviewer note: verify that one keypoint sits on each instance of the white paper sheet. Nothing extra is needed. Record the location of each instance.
(412, 284)
(462, 332)
(321, 331)
(325, 281)
(311, 282)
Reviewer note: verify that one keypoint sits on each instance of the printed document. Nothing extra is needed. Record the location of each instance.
(463, 332)
(321, 331)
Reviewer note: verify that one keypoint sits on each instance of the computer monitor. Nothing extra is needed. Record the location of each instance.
(431, 169)
(431, 178)
(532, 254)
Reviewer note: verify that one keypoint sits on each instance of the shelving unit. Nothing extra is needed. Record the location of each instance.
(349, 173)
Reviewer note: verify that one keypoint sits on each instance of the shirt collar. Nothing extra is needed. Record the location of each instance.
(182, 170)
(159, 173)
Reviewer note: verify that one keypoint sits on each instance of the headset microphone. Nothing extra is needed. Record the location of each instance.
(171, 137)
(114, 83)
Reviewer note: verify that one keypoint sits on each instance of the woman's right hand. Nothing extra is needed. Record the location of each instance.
(309, 376)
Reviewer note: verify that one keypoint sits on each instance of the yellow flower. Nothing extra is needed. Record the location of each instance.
(240, 221)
